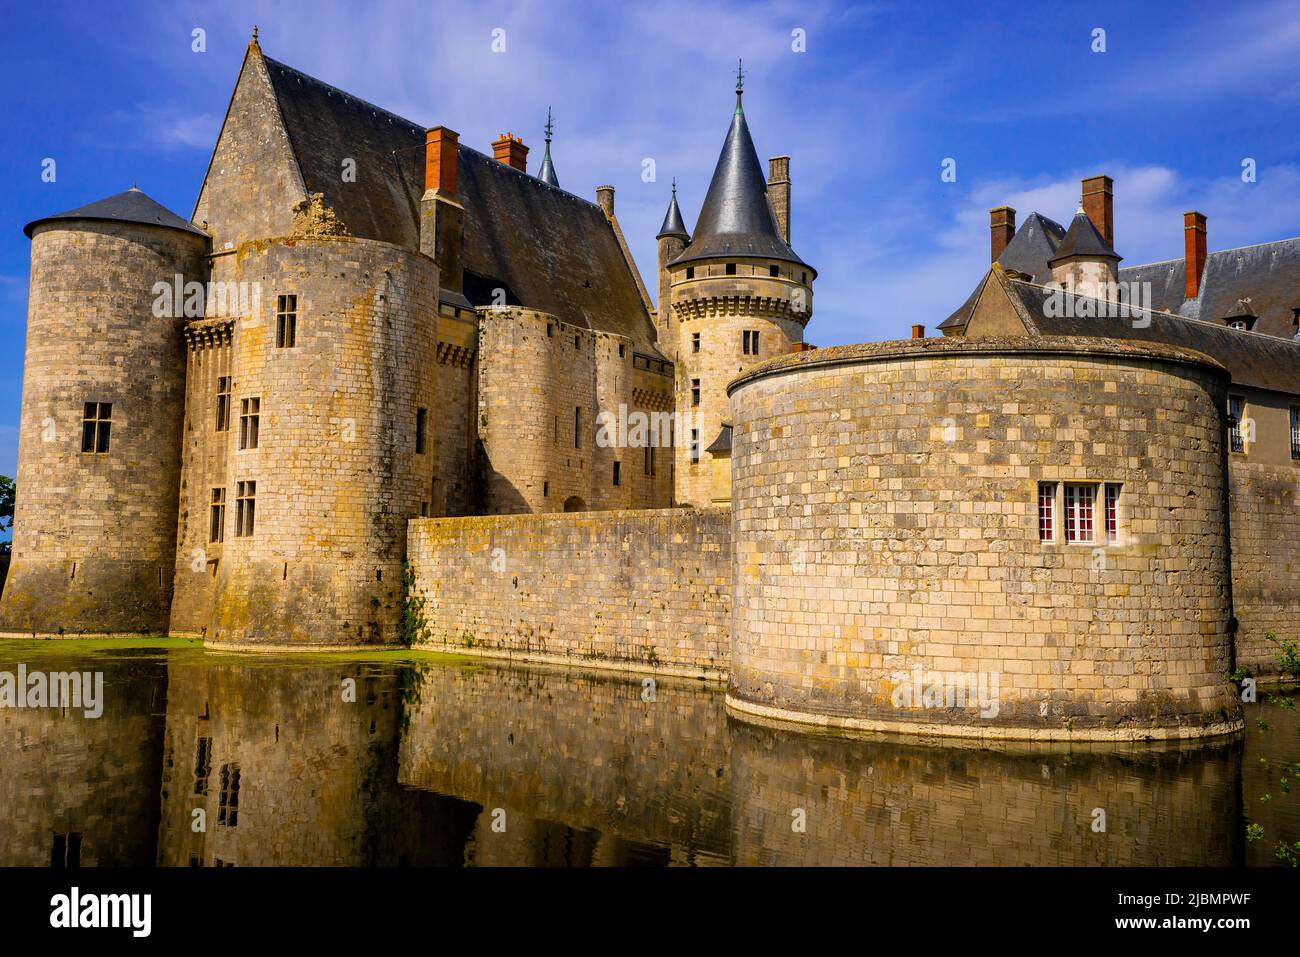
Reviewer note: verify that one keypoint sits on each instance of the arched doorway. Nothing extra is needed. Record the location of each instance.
(574, 504)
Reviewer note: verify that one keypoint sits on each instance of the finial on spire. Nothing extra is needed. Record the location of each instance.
(674, 185)
(1079, 211)
(740, 83)
(254, 32)
(549, 124)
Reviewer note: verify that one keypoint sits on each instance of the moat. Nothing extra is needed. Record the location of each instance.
(390, 759)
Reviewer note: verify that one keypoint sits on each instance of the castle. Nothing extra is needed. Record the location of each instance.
(382, 387)
(228, 421)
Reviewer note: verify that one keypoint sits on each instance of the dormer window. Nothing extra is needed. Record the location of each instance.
(1241, 323)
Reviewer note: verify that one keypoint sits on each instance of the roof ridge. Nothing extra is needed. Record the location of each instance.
(1157, 312)
(528, 175)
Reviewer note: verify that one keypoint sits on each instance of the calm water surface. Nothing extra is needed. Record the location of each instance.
(433, 758)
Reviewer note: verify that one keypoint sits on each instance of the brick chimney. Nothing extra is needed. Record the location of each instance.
(440, 155)
(1098, 203)
(441, 215)
(918, 331)
(778, 191)
(1194, 251)
(510, 149)
(605, 199)
(1002, 226)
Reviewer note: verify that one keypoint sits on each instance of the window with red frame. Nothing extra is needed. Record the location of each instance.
(1112, 513)
(1079, 503)
(1047, 511)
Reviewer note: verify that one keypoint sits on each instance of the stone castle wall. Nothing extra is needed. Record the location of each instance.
(1265, 520)
(645, 589)
(337, 471)
(534, 372)
(94, 533)
(903, 537)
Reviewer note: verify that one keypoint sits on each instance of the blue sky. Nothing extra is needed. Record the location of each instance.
(868, 112)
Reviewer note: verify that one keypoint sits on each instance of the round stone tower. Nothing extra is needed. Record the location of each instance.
(100, 431)
(738, 294)
(330, 446)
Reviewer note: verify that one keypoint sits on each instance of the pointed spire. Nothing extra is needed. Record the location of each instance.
(737, 219)
(673, 225)
(547, 173)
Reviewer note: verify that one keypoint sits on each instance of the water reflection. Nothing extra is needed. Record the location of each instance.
(212, 760)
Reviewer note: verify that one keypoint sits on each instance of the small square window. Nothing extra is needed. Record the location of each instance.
(695, 392)
(774, 271)
(695, 342)
(690, 272)
(96, 426)
(731, 269)
(622, 351)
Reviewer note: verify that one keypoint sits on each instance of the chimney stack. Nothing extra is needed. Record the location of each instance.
(918, 332)
(1002, 226)
(605, 199)
(440, 154)
(778, 191)
(1194, 251)
(510, 149)
(441, 215)
(1098, 203)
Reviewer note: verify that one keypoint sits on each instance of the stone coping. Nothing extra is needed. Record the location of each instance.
(922, 729)
(960, 346)
(589, 515)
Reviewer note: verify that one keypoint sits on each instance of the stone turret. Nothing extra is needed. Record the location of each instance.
(673, 239)
(738, 294)
(1085, 260)
(100, 433)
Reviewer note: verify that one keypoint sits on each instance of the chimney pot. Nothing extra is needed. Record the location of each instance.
(918, 332)
(1194, 239)
(1002, 226)
(605, 199)
(510, 149)
(440, 159)
(1098, 203)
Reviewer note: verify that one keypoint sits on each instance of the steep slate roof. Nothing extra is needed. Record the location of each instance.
(737, 218)
(1268, 274)
(1033, 245)
(551, 250)
(1082, 239)
(1261, 361)
(131, 206)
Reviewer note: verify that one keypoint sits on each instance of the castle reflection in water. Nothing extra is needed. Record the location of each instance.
(217, 761)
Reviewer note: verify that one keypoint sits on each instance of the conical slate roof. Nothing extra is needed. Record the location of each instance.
(131, 206)
(737, 219)
(1082, 239)
(673, 225)
(547, 173)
